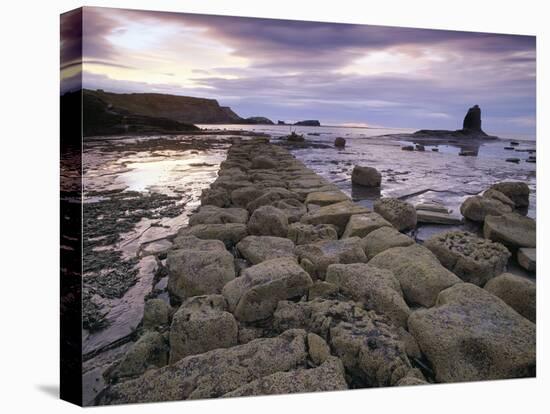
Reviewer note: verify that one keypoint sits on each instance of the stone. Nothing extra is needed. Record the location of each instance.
(366, 176)
(513, 230)
(293, 208)
(327, 377)
(230, 233)
(497, 195)
(336, 214)
(527, 258)
(400, 214)
(434, 217)
(472, 335)
(301, 233)
(472, 120)
(318, 256)
(420, 147)
(476, 208)
(262, 162)
(156, 313)
(473, 259)
(244, 195)
(150, 351)
(420, 274)
(361, 225)
(518, 292)
(340, 142)
(324, 198)
(268, 221)
(322, 289)
(257, 249)
(254, 295)
(382, 239)
(216, 197)
(369, 348)
(213, 373)
(518, 192)
(269, 197)
(199, 270)
(377, 289)
(408, 148)
(156, 248)
(201, 324)
(318, 349)
(216, 215)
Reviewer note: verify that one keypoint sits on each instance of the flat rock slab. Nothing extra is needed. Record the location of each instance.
(400, 214)
(419, 272)
(337, 214)
(359, 225)
(471, 335)
(254, 295)
(257, 249)
(513, 230)
(518, 292)
(473, 259)
(325, 198)
(213, 373)
(383, 239)
(527, 258)
(436, 217)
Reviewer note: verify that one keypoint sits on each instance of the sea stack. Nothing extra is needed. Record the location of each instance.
(472, 120)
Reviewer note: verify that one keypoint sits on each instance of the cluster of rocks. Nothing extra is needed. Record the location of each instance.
(282, 284)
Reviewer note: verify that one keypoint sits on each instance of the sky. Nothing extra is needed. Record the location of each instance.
(341, 74)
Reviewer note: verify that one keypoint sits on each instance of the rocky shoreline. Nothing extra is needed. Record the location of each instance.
(282, 284)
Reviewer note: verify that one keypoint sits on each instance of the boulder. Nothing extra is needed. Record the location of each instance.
(316, 257)
(150, 351)
(294, 209)
(513, 230)
(369, 348)
(301, 233)
(263, 162)
(214, 373)
(156, 313)
(257, 249)
(518, 292)
(476, 208)
(322, 289)
(215, 197)
(473, 259)
(254, 295)
(366, 176)
(201, 324)
(216, 215)
(527, 258)
(472, 335)
(340, 142)
(336, 214)
(400, 214)
(408, 148)
(361, 225)
(435, 217)
(497, 195)
(518, 192)
(318, 349)
(244, 195)
(377, 289)
(229, 233)
(420, 274)
(324, 198)
(327, 377)
(382, 239)
(269, 197)
(268, 221)
(199, 270)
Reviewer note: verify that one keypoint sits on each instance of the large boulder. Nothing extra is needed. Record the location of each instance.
(263, 162)
(336, 214)
(244, 195)
(216, 215)
(254, 295)
(377, 289)
(516, 191)
(293, 208)
(214, 373)
(198, 270)
(325, 198)
(156, 313)
(301, 233)
(366, 176)
(360, 225)
(340, 142)
(257, 249)
(229, 233)
(370, 349)
(201, 324)
(472, 335)
(518, 292)
(473, 259)
(269, 197)
(382, 239)
(419, 272)
(316, 257)
(268, 221)
(513, 230)
(477, 208)
(215, 197)
(327, 377)
(400, 214)
(497, 195)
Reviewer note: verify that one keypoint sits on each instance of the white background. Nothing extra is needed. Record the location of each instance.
(29, 220)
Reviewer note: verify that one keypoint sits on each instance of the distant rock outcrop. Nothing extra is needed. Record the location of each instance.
(472, 120)
(258, 120)
(471, 128)
(308, 122)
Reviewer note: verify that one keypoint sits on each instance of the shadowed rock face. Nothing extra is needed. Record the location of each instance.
(472, 120)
